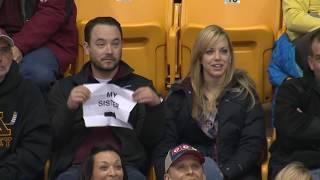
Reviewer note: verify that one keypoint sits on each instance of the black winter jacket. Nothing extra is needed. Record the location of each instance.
(25, 133)
(241, 133)
(297, 123)
(70, 131)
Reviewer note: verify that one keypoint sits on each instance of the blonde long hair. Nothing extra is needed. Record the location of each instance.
(294, 171)
(206, 39)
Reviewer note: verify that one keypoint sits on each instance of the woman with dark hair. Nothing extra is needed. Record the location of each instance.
(103, 163)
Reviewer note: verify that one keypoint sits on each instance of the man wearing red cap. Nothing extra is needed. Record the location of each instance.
(184, 162)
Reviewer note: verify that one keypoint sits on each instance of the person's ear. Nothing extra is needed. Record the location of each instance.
(86, 47)
(166, 176)
(310, 63)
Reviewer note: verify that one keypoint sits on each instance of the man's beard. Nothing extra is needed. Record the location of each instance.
(100, 68)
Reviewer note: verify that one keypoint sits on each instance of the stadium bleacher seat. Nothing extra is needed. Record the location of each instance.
(145, 27)
(159, 35)
(252, 26)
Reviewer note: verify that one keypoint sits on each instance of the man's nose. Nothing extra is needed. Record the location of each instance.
(108, 49)
(190, 170)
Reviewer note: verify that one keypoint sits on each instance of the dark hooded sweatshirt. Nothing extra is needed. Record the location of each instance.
(25, 134)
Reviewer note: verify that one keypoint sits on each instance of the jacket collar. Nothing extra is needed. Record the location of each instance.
(316, 85)
(12, 79)
(183, 85)
(85, 75)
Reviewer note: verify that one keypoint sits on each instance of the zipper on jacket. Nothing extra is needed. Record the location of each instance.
(23, 10)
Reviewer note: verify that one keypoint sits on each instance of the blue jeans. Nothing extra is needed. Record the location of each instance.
(41, 67)
(273, 106)
(211, 169)
(134, 174)
(74, 173)
(315, 173)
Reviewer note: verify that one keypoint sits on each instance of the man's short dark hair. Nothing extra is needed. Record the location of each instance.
(314, 37)
(100, 21)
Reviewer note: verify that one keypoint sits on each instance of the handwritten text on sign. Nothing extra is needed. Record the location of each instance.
(108, 105)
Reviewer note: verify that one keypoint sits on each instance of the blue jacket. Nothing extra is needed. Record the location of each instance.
(283, 62)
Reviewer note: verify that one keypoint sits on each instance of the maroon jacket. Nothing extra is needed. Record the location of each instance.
(51, 24)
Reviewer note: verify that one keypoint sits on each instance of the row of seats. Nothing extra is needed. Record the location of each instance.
(145, 27)
(158, 35)
(252, 26)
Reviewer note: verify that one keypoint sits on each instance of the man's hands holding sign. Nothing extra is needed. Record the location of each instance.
(78, 96)
(147, 96)
(98, 100)
(81, 93)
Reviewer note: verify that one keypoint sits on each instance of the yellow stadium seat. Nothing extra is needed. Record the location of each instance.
(46, 170)
(152, 174)
(145, 26)
(252, 26)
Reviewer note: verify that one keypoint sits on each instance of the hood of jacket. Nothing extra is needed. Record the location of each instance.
(183, 86)
(11, 81)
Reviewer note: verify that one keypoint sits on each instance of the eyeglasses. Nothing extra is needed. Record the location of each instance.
(5, 50)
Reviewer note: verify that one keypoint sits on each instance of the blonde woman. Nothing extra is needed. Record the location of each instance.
(216, 110)
(294, 171)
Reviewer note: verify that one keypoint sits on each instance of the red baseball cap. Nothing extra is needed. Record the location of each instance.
(179, 151)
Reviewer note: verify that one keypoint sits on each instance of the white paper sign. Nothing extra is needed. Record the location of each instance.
(108, 105)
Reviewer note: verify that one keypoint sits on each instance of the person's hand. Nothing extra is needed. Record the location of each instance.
(17, 54)
(147, 96)
(78, 96)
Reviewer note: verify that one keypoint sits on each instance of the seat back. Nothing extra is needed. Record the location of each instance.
(252, 26)
(145, 24)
